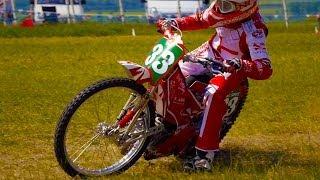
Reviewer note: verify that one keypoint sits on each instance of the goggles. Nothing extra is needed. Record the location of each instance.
(225, 6)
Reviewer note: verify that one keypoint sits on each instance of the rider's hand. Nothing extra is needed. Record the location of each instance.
(233, 65)
(190, 58)
(165, 24)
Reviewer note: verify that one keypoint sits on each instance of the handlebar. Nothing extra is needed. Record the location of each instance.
(169, 32)
(214, 65)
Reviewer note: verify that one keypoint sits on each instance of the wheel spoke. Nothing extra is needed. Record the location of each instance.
(85, 146)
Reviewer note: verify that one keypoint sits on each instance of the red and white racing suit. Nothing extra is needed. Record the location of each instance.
(245, 40)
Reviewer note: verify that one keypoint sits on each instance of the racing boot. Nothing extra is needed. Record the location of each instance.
(201, 162)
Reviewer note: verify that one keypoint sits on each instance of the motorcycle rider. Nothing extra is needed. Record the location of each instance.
(239, 42)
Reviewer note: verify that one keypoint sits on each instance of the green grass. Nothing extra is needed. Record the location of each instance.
(76, 30)
(277, 134)
(114, 29)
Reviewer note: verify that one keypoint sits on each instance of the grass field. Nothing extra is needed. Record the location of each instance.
(277, 134)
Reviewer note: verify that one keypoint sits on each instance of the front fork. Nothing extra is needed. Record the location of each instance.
(125, 108)
(129, 116)
(130, 113)
(133, 114)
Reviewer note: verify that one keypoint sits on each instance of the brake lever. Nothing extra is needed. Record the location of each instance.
(217, 67)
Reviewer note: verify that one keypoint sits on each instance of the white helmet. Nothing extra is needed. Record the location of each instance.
(230, 6)
(233, 11)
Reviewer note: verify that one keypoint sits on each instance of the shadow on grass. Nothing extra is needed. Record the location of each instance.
(244, 160)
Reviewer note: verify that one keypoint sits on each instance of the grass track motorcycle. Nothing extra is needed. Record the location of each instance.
(112, 123)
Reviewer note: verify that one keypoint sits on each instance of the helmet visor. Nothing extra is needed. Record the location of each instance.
(225, 6)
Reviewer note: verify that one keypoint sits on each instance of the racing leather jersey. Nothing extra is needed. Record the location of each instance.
(245, 40)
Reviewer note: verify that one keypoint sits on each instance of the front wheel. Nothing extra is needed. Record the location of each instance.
(86, 142)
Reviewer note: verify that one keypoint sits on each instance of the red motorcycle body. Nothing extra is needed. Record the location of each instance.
(178, 107)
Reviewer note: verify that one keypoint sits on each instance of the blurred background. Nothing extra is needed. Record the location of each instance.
(137, 11)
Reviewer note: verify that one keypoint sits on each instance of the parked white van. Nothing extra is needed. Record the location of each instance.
(58, 10)
(173, 8)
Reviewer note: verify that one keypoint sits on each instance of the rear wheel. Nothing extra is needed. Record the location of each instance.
(235, 104)
(86, 141)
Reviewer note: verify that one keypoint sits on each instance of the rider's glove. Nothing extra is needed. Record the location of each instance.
(190, 58)
(233, 65)
(164, 24)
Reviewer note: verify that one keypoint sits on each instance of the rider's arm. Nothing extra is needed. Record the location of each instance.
(200, 20)
(259, 67)
(194, 22)
(210, 18)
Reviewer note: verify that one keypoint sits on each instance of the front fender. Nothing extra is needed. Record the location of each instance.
(137, 72)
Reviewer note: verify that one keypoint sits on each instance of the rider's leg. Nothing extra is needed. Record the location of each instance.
(208, 141)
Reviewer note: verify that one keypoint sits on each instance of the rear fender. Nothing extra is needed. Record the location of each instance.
(137, 72)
